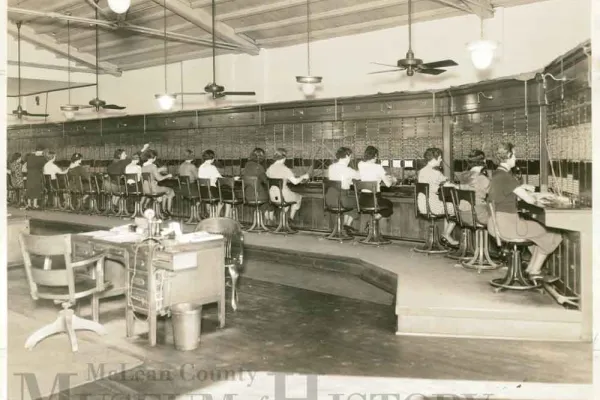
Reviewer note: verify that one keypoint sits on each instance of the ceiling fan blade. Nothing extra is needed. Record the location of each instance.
(113, 107)
(439, 64)
(37, 115)
(191, 93)
(239, 93)
(388, 70)
(385, 65)
(431, 71)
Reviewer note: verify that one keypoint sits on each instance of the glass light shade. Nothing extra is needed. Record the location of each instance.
(482, 53)
(165, 101)
(69, 115)
(308, 89)
(119, 6)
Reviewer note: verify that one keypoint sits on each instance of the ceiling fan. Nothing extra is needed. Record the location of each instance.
(412, 64)
(20, 112)
(96, 102)
(217, 91)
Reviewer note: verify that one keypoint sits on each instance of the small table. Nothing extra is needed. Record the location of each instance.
(159, 275)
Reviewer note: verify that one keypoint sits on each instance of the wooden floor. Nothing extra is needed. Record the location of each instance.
(282, 328)
(285, 329)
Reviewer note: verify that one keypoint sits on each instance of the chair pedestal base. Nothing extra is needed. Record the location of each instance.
(284, 227)
(374, 237)
(514, 278)
(338, 232)
(67, 322)
(258, 223)
(432, 242)
(465, 249)
(481, 260)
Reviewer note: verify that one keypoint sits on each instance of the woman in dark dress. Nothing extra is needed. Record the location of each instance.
(255, 168)
(35, 178)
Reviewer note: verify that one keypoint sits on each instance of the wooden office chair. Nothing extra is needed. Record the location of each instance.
(338, 232)
(432, 241)
(252, 199)
(134, 192)
(206, 197)
(150, 196)
(234, 247)
(190, 193)
(278, 201)
(62, 284)
(373, 235)
(514, 278)
(224, 185)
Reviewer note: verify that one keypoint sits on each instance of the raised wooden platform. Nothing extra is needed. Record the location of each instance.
(432, 296)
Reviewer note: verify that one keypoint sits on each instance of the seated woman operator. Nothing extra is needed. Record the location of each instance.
(371, 171)
(504, 192)
(432, 175)
(278, 170)
(148, 166)
(207, 170)
(340, 171)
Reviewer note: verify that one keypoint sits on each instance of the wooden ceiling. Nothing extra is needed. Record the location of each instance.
(243, 26)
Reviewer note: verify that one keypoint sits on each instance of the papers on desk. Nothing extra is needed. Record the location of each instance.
(196, 237)
(112, 236)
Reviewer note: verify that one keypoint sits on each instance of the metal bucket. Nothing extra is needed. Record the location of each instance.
(187, 323)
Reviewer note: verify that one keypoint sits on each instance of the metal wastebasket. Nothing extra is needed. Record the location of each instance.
(187, 320)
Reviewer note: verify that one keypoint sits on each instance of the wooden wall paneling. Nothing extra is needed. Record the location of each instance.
(133, 124)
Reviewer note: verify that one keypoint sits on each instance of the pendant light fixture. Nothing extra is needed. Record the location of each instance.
(482, 51)
(165, 100)
(69, 109)
(119, 6)
(308, 82)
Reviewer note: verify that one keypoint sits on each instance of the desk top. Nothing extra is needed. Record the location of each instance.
(133, 238)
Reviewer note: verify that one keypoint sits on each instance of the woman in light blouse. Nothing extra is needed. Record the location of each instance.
(148, 165)
(340, 171)
(278, 170)
(208, 171)
(432, 175)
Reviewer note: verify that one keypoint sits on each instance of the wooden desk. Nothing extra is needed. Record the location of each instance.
(576, 220)
(161, 276)
(14, 226)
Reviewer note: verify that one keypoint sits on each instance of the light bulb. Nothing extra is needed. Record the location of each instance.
(165, 101)
(482, 53)
(119, 6)
(308, 89)
(69, 115)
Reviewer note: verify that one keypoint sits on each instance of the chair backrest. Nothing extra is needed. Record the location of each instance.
(227, 182)
(46, 247)
(277, 185)
(446, 194)
(117, 183)
(250, 185)
(147, 180)
(371, 186)
(50, 184)
(467, 196)
(331, 184)
(133, 185)
(422, 188)
(185, 185)
(62, 182)
(204, 189)
(233, 234)
(495, 225)
(75, 183)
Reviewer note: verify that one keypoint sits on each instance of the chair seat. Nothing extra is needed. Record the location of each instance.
(153, 195)
(338, 210)
(84, 285)
(213, 201)
(255, 202)
(518, 241)
(233, 202)
(284, 204)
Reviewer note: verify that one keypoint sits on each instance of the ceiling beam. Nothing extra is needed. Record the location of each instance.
(437, 13)
(171, 59)
(359, 8)
(48, 43)
(482, 8)
(54, 6)
(55, 67)
(203, 20)
(453, 4)
(263, 8)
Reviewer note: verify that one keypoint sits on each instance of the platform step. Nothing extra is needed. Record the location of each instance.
(484, 324)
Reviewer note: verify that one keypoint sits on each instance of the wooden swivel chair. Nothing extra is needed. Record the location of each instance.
(232, 199)
(191, 194)
(337, 210)
(447, 194)
(514, 278)
(234, 247)
(149, 195)
(64, 191)
(206, 197)
(134, 192)
(373, 235)
(251, 199)
(283, 205)
(481, 259)
(62, 285)
(432, 241)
